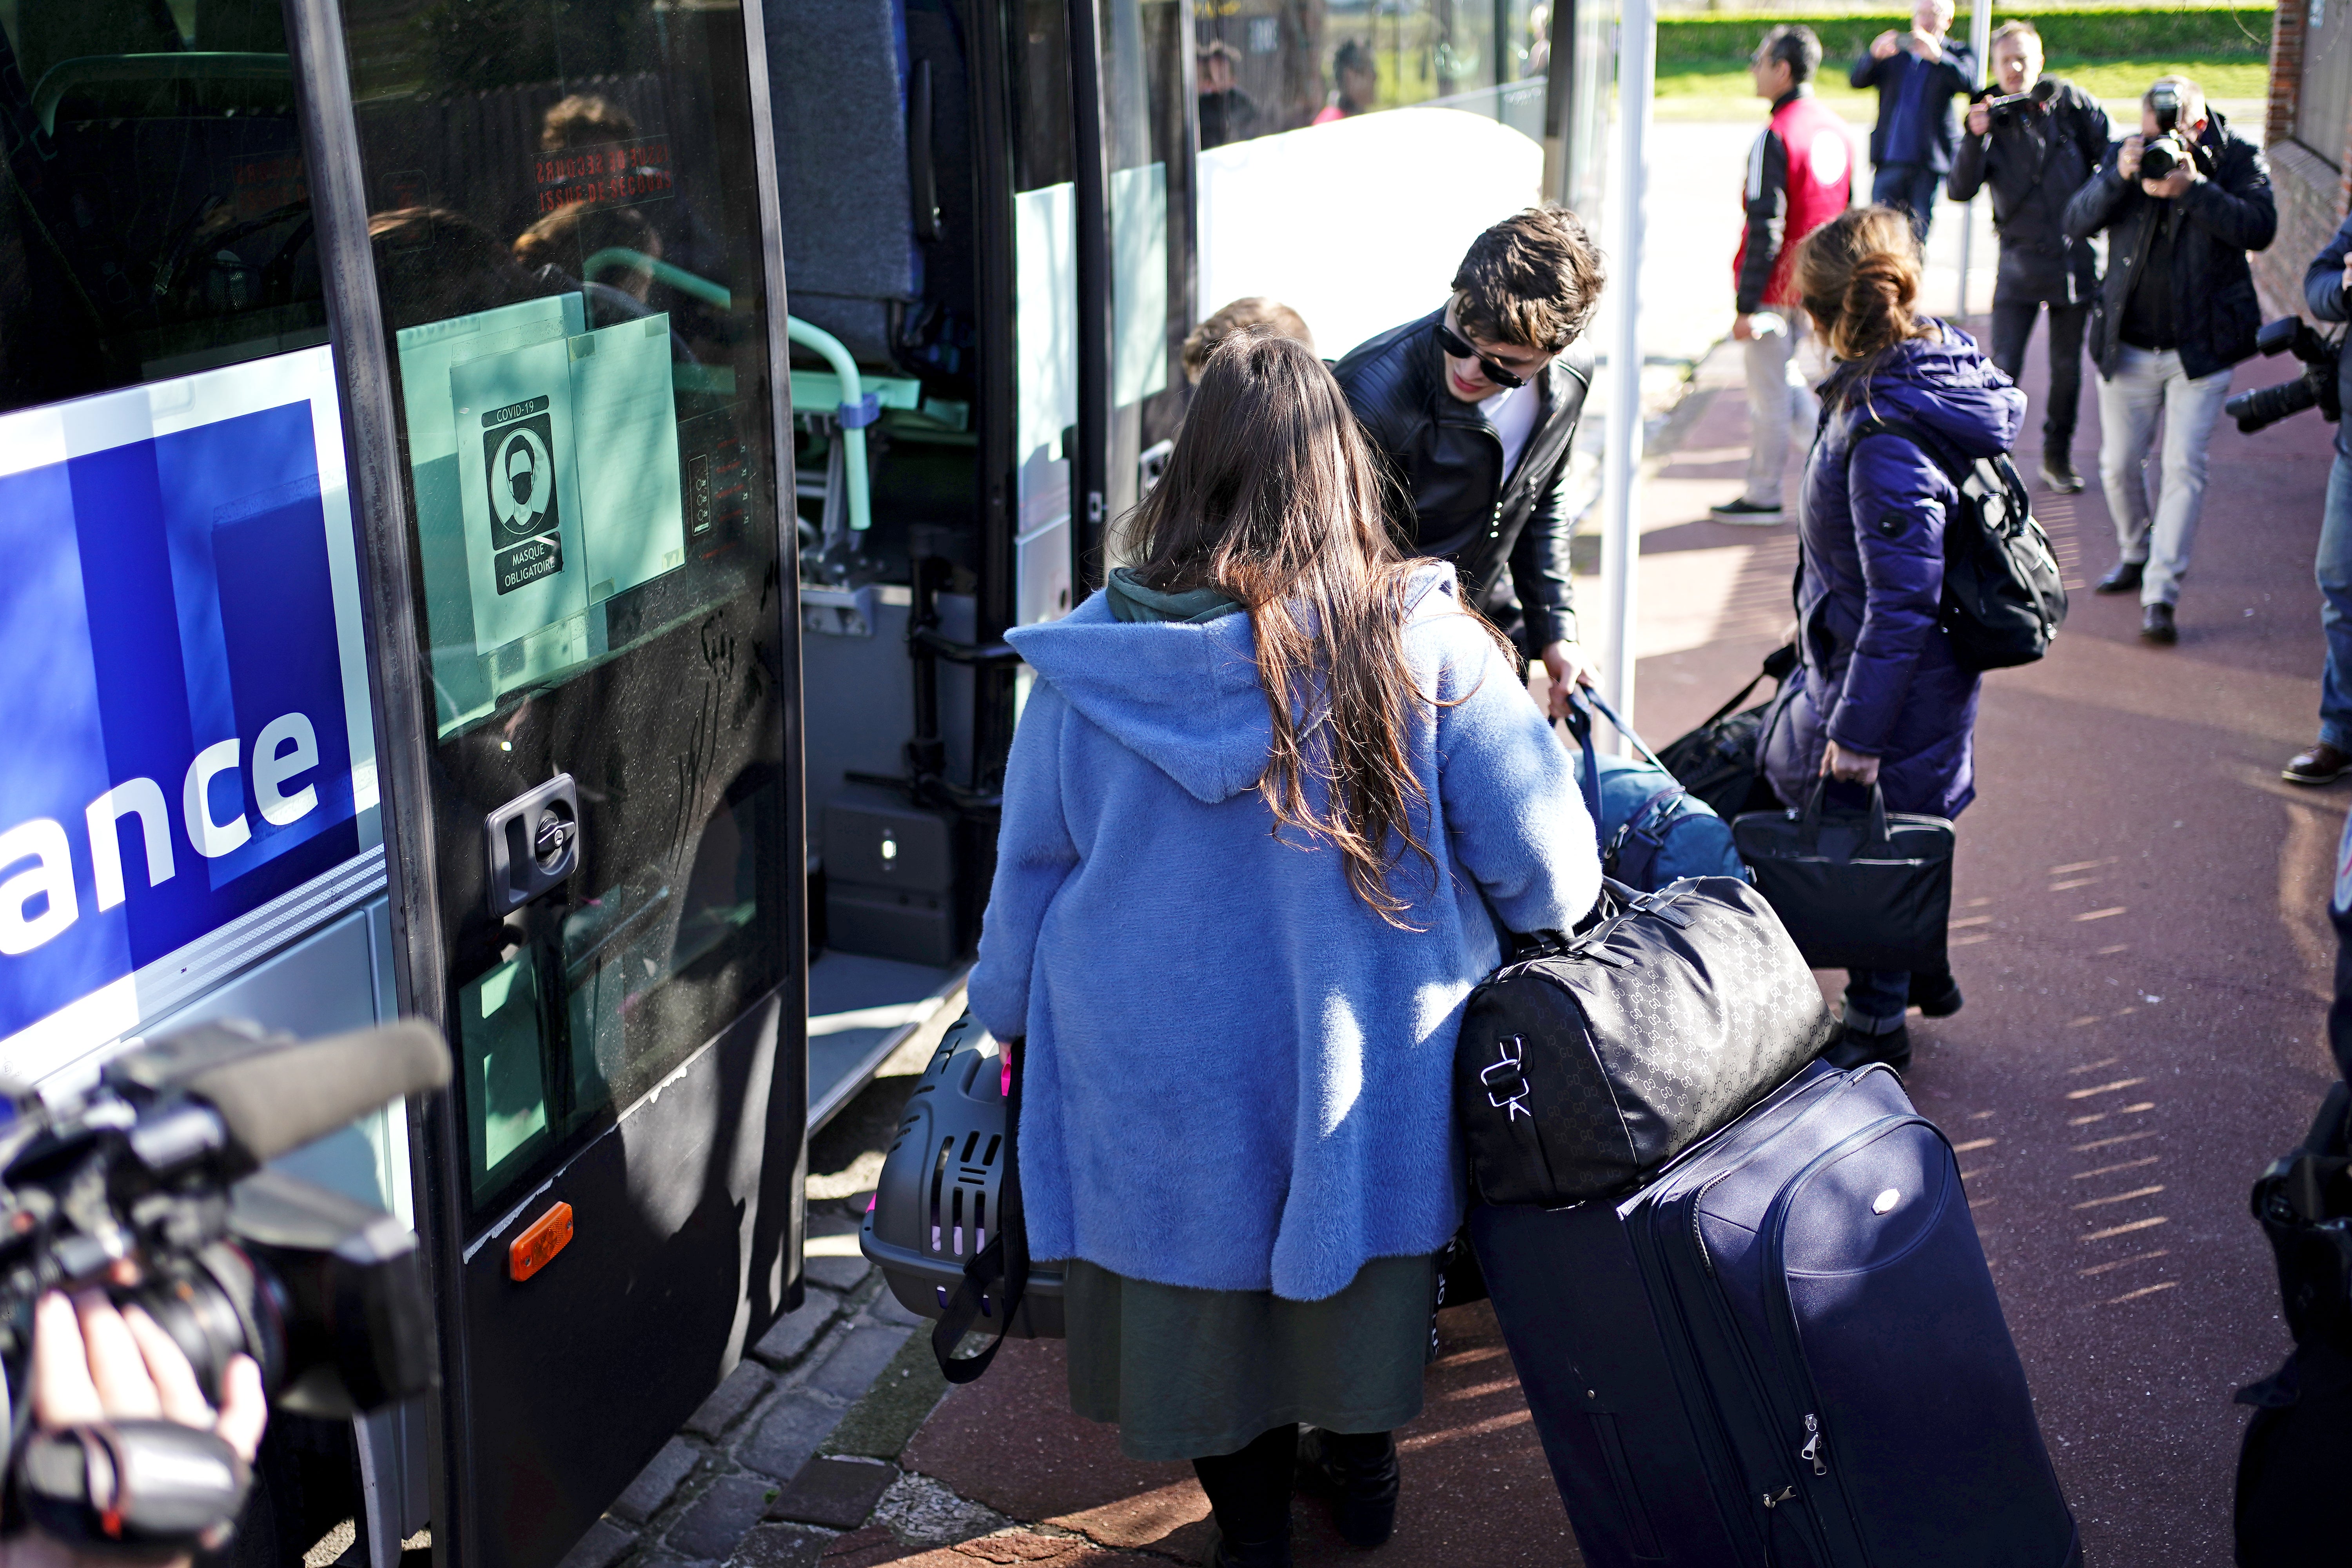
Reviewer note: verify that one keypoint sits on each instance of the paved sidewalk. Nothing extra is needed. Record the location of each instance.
(2139, 926)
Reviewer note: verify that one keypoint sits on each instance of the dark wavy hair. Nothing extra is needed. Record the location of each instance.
(1272, 497)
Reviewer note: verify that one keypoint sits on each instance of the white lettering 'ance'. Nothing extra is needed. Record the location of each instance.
(144, 799)
(43, 840)
(212, 839)
(272, 768)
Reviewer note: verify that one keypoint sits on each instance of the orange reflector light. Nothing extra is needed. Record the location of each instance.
(531, 1251)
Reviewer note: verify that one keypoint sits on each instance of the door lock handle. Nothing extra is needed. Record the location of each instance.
(533, 843)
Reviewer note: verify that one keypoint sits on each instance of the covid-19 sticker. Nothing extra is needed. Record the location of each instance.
(519, 460)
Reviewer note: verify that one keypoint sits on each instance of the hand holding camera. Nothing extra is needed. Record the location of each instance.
(199, 1283)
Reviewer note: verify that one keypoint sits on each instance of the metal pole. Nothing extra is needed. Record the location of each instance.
(1980, 44)
(1622, 463)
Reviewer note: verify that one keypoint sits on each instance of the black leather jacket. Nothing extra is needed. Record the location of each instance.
(2035, 157)
(2226, 214)
(1448, 463)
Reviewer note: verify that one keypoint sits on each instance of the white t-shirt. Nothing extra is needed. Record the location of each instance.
(1512, 412)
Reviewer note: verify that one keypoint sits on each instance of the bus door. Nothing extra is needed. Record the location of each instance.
(561, 263)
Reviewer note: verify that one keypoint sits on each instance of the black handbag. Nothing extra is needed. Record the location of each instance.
(1856, 889)
(1721, 760)
(2292, 1507)
(1582, 1068)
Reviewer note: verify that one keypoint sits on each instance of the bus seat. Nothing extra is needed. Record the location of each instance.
(837, 72)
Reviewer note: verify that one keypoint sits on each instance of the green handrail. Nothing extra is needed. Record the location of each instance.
(856, 410)
(855, 405)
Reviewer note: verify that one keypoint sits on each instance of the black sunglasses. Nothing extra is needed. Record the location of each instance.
(1453, 344)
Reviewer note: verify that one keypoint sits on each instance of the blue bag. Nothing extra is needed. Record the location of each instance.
(1653, 831)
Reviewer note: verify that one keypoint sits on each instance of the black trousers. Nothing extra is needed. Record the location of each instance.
(2012, 327)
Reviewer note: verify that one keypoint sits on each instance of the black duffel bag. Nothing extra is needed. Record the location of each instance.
(1582, 1068)
(1856, 889)
(1720, 761)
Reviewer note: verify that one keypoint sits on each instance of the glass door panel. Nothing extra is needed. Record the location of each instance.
(567, 244)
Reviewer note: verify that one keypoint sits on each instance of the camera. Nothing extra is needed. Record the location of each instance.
(2007, 107)
(2163, 155)
(2314, 387)
(149, 1187)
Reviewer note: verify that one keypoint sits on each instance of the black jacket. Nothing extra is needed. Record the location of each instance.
(2035, 157)
(2226, 214)
(1448, 463)
(2323, 290)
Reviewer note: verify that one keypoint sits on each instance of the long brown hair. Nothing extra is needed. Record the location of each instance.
(1272, 497)
(1859, 277)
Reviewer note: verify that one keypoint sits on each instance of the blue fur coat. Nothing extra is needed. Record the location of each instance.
(1237, 1075)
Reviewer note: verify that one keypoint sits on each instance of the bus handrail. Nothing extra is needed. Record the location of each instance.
(857, 408)
(186, 65)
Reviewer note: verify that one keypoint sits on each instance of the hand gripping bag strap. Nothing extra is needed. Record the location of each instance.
(996, 1276)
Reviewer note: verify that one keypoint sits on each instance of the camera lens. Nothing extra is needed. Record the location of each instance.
(215, 1307)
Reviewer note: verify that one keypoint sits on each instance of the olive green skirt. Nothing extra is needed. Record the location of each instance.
(1189, 1373)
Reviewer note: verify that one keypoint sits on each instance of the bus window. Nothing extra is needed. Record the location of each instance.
(568, 255)
(1436, 134)
(156, 218)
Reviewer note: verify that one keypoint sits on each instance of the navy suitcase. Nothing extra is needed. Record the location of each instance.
(1784, 1350)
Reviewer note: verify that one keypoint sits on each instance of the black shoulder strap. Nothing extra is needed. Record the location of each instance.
(1936, 454)
(996, 1276)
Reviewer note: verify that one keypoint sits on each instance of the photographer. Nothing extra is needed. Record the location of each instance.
(93, 1364)
(2036, 143)
(1918, 74)
(2184, 201)
(2324, 289)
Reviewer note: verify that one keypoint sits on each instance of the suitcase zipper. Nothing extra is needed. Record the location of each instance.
(1782, 1313)
(1776, 1492)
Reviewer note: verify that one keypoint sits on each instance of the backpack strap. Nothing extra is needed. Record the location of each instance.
(995, 1277)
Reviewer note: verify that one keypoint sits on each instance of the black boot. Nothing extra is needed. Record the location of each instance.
(1249, 1493)
(1937, 995)
(1850, 1048)
(1359, 1471)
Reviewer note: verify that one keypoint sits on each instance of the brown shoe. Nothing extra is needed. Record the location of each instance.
(2321, 764)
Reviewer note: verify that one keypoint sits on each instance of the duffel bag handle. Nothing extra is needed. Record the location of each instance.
(1879, 832)
(1580, 725)
(1623, 728)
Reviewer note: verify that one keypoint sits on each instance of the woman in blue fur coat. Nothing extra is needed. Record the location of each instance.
(1878, 697)
(1273, 792)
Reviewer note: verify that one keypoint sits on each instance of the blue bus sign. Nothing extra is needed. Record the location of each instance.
(185, 736)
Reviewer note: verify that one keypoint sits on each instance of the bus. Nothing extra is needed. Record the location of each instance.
(508, 514)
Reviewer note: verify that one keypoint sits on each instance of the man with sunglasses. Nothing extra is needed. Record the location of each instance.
(1474, 409)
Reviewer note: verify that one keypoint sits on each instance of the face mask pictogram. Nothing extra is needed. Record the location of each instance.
(519, 454)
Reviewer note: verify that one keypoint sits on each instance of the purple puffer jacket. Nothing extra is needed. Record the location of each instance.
(1876, 675)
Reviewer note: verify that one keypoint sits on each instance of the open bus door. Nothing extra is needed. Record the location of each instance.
(1003, 302)
(554, 286)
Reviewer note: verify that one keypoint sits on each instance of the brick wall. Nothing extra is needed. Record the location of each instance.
(2312, 198)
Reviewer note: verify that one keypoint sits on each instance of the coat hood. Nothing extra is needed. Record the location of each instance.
(1183, 696)
(1947, 385)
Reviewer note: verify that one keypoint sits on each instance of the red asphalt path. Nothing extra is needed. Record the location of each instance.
(2139, 927)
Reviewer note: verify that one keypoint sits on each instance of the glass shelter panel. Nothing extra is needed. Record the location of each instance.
(567, 244)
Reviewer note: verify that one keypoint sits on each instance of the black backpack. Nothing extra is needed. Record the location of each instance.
(2003, 601)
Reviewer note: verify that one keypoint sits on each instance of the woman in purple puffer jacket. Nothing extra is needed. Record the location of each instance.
(1878, 697)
